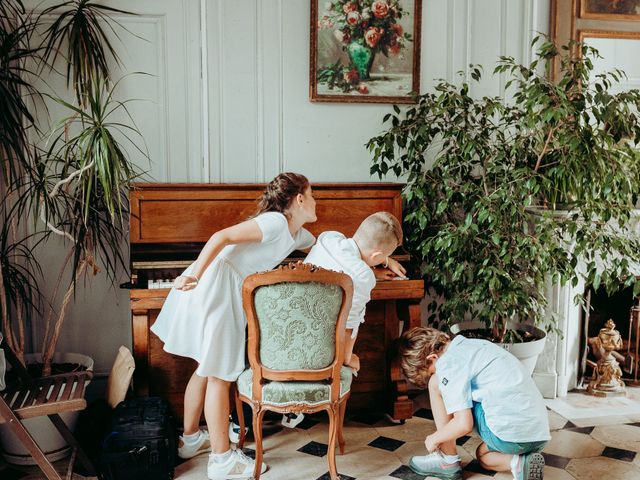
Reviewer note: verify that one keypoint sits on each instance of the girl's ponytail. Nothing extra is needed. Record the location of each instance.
(281, 191)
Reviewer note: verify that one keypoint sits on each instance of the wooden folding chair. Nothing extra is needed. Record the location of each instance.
(48, 396)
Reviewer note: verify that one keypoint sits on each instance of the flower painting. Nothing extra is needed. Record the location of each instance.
(365, 50)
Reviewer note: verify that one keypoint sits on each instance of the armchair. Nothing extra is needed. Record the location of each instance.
(296, 318)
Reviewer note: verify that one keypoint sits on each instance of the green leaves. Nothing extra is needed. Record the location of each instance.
(78, 35)
(477, 167)
(97, 173)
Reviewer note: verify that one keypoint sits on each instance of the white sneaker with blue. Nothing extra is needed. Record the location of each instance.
(292, 420)
(435, 464)
(527, 467)
(234, 431)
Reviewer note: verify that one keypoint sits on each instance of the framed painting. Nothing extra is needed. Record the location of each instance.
(365, 51)
(610, 9)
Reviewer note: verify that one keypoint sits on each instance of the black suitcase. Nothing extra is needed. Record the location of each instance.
(141, 443)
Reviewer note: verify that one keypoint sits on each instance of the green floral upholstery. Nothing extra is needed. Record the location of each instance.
(287, 393)
(297, 324)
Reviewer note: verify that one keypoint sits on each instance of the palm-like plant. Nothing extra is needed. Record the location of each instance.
(77, 185)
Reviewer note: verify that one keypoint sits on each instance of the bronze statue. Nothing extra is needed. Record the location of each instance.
(607, 375)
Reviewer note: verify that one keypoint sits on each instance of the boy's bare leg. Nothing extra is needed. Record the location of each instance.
(194, 403)
(496, 461)
(440, 415)
(216, 412)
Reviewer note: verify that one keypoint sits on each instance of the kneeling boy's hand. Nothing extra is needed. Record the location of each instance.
(431, 443)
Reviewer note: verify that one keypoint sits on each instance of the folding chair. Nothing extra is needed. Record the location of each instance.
(48, 396)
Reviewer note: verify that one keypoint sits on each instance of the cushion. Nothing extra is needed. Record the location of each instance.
(120, 377)
(287, 393)
(297, 324)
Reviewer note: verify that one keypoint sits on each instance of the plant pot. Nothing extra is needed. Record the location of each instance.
(41, 429)
(526, 352)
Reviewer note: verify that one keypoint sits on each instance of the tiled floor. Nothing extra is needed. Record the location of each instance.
(598, 447)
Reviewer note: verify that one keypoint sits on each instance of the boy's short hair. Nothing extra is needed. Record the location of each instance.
(415, 346)
(379, 230)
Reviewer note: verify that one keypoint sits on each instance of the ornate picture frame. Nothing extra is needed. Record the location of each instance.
(610, 10)
(365, 51)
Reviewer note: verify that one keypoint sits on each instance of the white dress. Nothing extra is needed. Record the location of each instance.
(208, 323)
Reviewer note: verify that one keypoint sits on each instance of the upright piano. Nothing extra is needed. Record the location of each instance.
(171, 222)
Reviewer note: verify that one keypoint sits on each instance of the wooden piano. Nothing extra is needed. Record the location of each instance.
(171, 222)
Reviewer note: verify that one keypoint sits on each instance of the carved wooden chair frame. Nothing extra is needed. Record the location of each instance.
(299, 273)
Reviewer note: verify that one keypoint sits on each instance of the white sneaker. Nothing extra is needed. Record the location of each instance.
(234, 432)
(291, 420)
(238, 465)
(190, 450)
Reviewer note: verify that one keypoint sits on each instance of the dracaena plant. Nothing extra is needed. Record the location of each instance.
(486, 178)
(69, 180)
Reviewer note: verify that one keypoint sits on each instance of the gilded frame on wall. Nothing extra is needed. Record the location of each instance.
(610, 9)
(365, 51)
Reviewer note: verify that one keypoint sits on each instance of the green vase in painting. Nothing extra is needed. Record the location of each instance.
(361, 58)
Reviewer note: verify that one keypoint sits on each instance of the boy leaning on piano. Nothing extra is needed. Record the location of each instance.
(371, 245)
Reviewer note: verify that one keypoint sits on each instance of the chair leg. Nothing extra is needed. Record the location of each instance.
(333, 431)
(29, 443)
(342, 409)
(68, 436)
(257, 435)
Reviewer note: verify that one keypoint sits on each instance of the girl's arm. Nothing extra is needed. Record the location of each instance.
(244, 232)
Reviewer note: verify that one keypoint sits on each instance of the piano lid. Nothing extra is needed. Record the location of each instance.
(191, 213)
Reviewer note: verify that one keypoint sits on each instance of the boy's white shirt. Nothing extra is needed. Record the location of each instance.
(336, 252)
(473, 370)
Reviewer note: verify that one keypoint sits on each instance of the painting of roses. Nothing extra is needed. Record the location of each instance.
(610, 9)
(365, 50)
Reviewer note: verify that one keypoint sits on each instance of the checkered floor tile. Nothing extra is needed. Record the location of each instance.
(379, 449)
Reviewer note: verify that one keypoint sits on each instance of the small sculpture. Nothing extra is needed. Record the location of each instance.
(607, 375)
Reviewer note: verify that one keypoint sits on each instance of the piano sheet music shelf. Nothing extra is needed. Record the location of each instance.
(171, 222)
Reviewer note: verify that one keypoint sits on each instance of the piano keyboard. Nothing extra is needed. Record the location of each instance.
(159, 284)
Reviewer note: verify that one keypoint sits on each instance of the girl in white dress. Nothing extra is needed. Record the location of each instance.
(203, 318)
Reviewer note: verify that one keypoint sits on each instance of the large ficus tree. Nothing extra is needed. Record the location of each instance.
(504, 193)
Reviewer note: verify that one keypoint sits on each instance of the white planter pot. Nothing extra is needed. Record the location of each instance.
(41, 429)
(527, 352)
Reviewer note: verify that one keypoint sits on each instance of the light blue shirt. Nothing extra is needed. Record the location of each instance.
(473, 370)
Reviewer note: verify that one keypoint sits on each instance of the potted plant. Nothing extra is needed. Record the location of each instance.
(505, 194)
(69, 180)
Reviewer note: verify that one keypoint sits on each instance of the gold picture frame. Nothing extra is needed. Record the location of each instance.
(365, 51)
(610, 9)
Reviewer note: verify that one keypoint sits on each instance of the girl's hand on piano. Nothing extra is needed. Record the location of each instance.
(185, 282)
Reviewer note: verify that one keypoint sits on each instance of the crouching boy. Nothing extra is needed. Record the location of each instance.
(476, 383)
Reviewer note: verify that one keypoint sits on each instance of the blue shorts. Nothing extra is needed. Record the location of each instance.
(494, 443)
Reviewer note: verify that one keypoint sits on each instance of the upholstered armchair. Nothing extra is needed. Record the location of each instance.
(296, 317)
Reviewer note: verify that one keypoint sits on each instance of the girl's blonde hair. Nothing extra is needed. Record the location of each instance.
(280, 191)
(415, 346)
